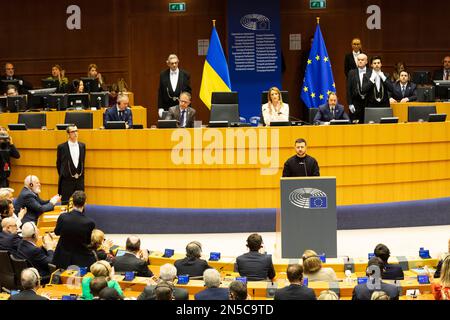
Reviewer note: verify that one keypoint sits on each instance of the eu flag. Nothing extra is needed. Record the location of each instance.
(318, 202)
(319, 81)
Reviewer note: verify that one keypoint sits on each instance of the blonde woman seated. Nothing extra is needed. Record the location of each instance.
(99, 269)
(275, 109)
(312, 268)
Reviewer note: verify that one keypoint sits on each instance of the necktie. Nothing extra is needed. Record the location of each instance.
(182, 117)
(121, 115)
(403, 91)
(333, 115)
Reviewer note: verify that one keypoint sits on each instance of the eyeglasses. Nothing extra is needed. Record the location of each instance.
(184, 101)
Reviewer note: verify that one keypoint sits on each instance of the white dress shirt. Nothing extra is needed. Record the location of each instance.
(74, 149)
(361, 74)
(174, 78)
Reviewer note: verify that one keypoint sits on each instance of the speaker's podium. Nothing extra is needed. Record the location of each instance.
(307, 218)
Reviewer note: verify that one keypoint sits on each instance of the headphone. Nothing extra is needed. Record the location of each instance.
(104, 266)
(304, 257)
(30, 183)
(37, 277)
(198, 244)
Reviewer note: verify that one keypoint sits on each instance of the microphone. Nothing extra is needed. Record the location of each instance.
(292, 118)
(304, 166)
(99, 103)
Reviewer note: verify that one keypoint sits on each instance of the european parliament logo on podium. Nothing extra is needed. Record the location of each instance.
(309, 198)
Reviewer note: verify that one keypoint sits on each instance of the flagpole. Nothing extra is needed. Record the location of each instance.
(318, 18)
(214, 23)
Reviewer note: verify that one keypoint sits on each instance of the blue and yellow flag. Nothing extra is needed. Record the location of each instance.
(216, 77)
(319, 81)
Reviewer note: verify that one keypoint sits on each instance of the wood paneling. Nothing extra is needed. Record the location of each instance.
(132, 39)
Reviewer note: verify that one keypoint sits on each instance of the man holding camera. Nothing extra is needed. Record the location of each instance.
(7, 150)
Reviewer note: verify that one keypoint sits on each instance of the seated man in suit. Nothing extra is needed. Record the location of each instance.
(403, 90)
(9, 240)
(391, 271)
(36, 256)
(10, 74)
(119, 112)
(364, 291)
(192, 265)
(184, 113)
(30, 280)
(167, 273)
(296, 290)
(238, 290)
(134, 259)
(330, 111)
(444, 72)
(29, 198)
(255, 265)
(211, 277)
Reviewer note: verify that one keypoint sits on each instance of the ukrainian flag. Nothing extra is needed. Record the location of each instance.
(216, 77)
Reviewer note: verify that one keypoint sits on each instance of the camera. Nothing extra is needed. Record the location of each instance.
(4, 141)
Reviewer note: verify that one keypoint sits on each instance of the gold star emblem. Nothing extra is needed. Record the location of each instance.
(325, 59)
(313, 95)
(317, 57)
(321, 97)
(309, 61)
(329, 91)
(305, 89)
(334, 85)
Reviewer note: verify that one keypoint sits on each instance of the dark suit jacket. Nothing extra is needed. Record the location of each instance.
(175, 113)
(255, 266)
(149, 293)
(393, 272)
(9, 242)
(349, 63)
(324, 113)
(75, 230)
(213, 294)
(112, 114)
(355, 96)
(438, 74)
(64, 163)
(129, 262)
(369, 89)
(295, 292)
(27, 295)
(362, 292)
(410, 91)
(166, 93)
(37, 257)
(35, 205)
(23, 89)
(192, 267)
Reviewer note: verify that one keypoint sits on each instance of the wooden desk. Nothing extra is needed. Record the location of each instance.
(373, 163)
(400, 110)
(57, 117)
(56, 291)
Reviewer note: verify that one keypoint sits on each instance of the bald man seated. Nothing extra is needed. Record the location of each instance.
(29, 198)
(134, 259)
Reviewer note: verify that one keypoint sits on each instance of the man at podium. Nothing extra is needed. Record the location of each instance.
(301, 164)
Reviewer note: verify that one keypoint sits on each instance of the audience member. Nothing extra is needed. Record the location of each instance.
(378, 87)
(437, 274)
(134, 259)
(192, 265)
(183, 112)
(275, 109)
(29, 199)
(172, 82)
(211, 277)
(120, 112)
(312, 266)
(100, 246)
(30, 280)
(70, 158)
(58, 74)
(390, 271)
(7, 210)
(164, 291)
(10, 74)
(441, 288)
(77, 86)
(7, 194)
(374, 270)
(296, 290)
(94, 74)
(380, 295)
(444, 72)
(351, 59)
(398, 67)
(168, 274)
(109, 294)
(11, 90)
(331, 110)
(403, 90)
(38, 257)
(99, 269)
(253, 264)
(238, 290)
(356, 98)
(7, 151)
(328, 295)
(9, 240)
(97, 285)
(301, 164)
(74, 229)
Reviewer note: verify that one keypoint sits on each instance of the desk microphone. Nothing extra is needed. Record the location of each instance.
(304, 166)
(292, 118)
(99, 103)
